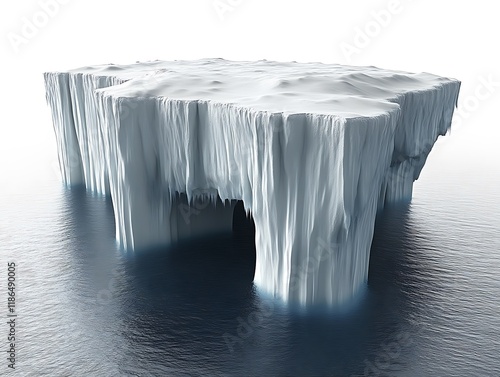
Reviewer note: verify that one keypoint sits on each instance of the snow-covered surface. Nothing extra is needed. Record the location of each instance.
(313, 150)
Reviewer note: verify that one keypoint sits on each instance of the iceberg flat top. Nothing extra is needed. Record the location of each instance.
(276, 87)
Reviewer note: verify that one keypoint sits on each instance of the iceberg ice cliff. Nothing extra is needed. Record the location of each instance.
(312, 150)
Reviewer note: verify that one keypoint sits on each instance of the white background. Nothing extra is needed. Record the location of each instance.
(449, 38)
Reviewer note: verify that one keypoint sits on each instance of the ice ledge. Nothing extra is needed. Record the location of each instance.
(312, 150)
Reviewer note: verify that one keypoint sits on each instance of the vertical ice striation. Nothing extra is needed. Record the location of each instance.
(422, 122)
(312, 150)
(59, 100)
(78, 133)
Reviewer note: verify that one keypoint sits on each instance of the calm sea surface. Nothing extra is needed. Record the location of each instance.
(85, 308)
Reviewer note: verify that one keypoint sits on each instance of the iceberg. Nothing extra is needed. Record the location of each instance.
(312, 150)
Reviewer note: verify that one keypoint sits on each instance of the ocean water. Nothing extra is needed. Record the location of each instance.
(86, 308)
